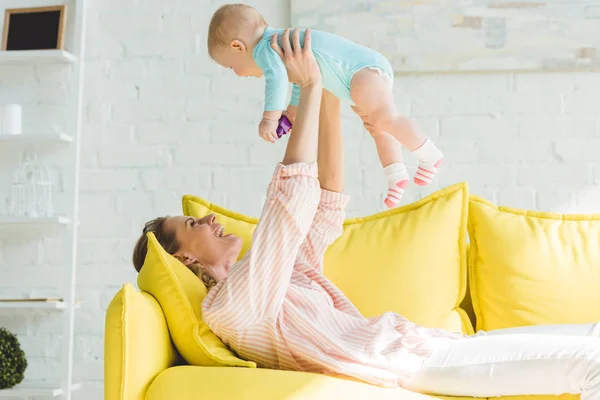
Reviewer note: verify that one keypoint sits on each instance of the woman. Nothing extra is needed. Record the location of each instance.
(276, 308)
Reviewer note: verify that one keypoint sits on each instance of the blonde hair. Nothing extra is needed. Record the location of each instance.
(201, 273)
(169, 242)
(232, 21)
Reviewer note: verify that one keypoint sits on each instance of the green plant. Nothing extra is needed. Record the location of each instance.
(12, 360)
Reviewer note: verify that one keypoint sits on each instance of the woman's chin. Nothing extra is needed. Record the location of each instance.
(237, 243)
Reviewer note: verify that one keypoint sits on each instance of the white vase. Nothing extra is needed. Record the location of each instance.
(11, 119)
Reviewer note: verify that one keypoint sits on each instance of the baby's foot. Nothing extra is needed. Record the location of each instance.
(397, 178)
(430, 159)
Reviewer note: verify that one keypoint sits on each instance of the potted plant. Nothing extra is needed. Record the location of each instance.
(12, 360)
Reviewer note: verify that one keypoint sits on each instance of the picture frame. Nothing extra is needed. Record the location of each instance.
(48, 34)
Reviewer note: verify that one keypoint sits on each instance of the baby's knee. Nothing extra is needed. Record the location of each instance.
(375, 134)
(384, 119)
(371, 129)
(387, 121)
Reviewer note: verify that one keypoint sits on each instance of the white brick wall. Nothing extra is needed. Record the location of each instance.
(163, 120)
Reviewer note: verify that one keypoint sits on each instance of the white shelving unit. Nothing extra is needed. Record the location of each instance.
(62, 386)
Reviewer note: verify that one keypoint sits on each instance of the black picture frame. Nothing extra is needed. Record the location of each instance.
(34, 28)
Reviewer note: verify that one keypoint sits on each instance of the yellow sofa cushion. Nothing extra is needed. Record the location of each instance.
(411, 260)
(185, 383)
(531, 268)
(180, 294)
(134, 354)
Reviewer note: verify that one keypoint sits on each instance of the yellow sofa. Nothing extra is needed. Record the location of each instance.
(411, 260)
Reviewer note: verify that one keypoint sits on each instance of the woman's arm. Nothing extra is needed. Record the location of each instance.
(330, 215)
(257, 285)
(304, 71)
(330, 154)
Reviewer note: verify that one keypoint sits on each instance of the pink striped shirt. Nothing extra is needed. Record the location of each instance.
(276, 308)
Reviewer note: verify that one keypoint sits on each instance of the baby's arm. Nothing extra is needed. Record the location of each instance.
(276, 89)
(293, 106)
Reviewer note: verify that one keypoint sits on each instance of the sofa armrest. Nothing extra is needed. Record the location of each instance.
(137, 345)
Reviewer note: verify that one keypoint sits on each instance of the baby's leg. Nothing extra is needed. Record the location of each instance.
(373, 96)
(390, 155)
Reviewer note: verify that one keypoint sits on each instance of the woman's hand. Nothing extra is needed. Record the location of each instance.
(290, 113)
(302, 68)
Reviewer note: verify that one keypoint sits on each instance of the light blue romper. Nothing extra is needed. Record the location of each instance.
(338, 58)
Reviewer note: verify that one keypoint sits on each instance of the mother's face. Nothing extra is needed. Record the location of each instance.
(205, 241)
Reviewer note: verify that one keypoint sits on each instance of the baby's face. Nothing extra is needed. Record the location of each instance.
(239, 60)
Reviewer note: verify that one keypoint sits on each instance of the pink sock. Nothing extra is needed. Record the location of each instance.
(397, 178)
(430, 158)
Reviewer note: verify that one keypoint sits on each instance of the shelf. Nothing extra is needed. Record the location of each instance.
(37, 304)
(11, 226)
(22, 221)
(37, 56)
(53, 138)
(42, 389)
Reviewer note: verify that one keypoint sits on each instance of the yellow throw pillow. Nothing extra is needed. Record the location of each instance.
(411, 260)
(129, 366)
(180, 294)
(531, 268)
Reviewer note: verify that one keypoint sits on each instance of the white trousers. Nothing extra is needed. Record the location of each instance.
(534, 360)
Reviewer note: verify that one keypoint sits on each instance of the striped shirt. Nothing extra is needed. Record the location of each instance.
(276, 308)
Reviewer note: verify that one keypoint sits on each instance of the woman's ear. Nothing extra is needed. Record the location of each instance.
(238, 45)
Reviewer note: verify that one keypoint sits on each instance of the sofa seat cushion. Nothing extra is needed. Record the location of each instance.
(193, 382)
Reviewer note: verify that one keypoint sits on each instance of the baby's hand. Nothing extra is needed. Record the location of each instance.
(267, 130)
(290, 113)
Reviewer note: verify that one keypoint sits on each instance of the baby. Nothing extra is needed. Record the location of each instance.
(239, 39)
